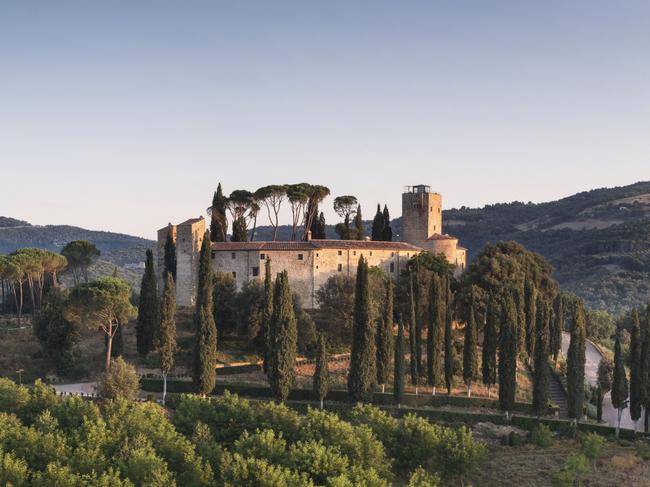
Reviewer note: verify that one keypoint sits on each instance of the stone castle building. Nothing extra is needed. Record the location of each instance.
(310, 263)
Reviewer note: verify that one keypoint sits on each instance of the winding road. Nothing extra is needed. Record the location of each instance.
(610, 414)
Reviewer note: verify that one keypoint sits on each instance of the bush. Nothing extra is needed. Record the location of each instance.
(592, 445)
(254, 472)
(541, 436)
(119, 381)
(571, 474)
(421, 478)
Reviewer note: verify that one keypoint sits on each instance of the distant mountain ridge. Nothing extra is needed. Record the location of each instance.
(598, 240)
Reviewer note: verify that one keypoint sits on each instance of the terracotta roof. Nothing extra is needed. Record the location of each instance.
(438, 236)
(315, 244)
(191, 221)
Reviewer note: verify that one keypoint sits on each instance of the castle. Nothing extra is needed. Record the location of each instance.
(310, 263)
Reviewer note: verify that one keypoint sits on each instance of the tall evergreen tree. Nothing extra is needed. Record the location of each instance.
(576, 363)
(170, 254)
(635, 367)
(267, 314)
(413, 341)
(620, 388)
(319, 229)
(555, 336)
(520, 308)
(435, 332)
(540, 366)
(508, 349)
(284, 340)
(470, 359)
(363, 371)
(167, 336)
(378, 225)
(388, 231)
(218, 219)
(398, 375)
(239, 230)
(385, 337)
(204, 374)
(490, 344)
(530, 300)
(321, 374)
(146, 329)
(449, 339)
(358, 225)
(645, 367)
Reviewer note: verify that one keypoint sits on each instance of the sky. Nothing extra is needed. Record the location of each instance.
(124, 115)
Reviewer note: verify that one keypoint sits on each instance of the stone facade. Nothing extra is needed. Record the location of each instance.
(310, 263)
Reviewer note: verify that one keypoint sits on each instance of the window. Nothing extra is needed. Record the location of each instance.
(392, 267)
(256, 271)
(371, 253)
(214, 254)
(354, 253)
(233, 255)
(301, 257)
(262, 256)
(392, 254)
(234, 274)
(340, 252)
(316, 267)
(316, 254)
(340, 267)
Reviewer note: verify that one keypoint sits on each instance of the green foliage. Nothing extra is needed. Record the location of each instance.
(204, 364)
(267, 314)
(470, 344)
(321, 374)
(540, 352)
(592, 445)
(284, 340)
(541, 436)
(80, 255)
(146, 328)
(170, 254)
(572, 472)
(398, 374)
(576, 364)
(363, 372)
(167, 336)
(605, 374)
(490, 343)
(358, 225)
(378, 225)
(388, 231)
(435, 331)
(413, 332)
(56, 334)
(384, 336)
(556, 327)
(336, 307)
(508, 356)
(119, 381)
(636, 396)
(218, 219)
(224, 295)
(421, 478)
(449, 339)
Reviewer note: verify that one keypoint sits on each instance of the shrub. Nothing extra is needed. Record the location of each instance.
(542, 436)
(265, 444)
(571, 474)
(592, 445)
(317, 460)
(254, 472)
(643, 451)
(421, 478)
(119, 381)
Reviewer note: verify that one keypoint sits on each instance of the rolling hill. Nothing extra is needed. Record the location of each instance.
(598, 241)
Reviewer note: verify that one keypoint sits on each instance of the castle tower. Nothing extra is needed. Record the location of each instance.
(421, 215)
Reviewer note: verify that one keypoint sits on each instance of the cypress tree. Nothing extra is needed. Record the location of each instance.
(239, 230)
(435, 332)
(555, 338)
(284, 340)
(321, 374)
(388, 231)
(449, 343)
(635, 367)
(378, 225)
(470, 360)
(321, 231)
(490, 342)
(620, 389)
(363, 372)
(413, 342)
(398, 375)
(167, 335)
(204, 374)
(418, 316)
(358, 224)
(530, 299)
(645, 367)
(385, 337)
(170, 254)
(508, 349)
(576, 363)
(540, 367)
(146, 328)
(520, 325)
(267, 314)
(218, 221)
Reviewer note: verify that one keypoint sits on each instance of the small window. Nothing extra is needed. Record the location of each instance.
(317, 254)
(340, 252)
(233, 255)
(354, 253)
(392, 267)
(214, 254)
(301, 257)
(234, 274)
(340, 267)
(256, 271)
(392, 254)
(262, 256)
(371, 253)
(316, 267)
(438, 210)
(408, 254)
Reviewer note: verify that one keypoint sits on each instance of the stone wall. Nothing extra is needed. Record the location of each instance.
(421, 216)
(189, 236)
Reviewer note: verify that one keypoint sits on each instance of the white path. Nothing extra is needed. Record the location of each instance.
(610, 414)
(79, 388)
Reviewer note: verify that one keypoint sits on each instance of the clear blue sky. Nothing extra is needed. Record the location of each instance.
(124, 115)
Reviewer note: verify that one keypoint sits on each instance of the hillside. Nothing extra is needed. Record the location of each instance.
(117, 250)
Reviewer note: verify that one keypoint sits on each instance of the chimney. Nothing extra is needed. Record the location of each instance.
(308, 235)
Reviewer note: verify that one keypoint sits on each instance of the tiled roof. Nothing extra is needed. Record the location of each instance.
(438, 236)
(191, 221)
(315, 244)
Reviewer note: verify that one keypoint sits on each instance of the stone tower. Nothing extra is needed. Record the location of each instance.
(421, 215)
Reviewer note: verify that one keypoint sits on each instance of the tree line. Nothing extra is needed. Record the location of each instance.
(239, 212)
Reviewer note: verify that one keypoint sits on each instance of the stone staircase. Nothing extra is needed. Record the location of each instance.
(557, 395)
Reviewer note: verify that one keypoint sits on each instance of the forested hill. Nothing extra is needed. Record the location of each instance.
(598, 241)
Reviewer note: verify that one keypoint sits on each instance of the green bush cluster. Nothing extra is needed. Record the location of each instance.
(47, 439)
(542, 436)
